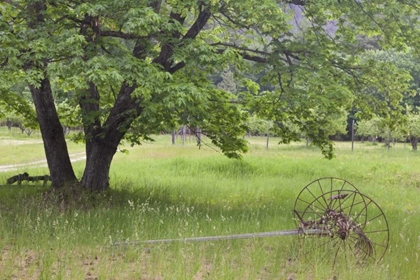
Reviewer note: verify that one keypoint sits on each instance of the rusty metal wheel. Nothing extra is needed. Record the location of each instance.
(352, 225)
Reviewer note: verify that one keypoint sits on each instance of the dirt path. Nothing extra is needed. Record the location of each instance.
(19, 142)
(38, 163)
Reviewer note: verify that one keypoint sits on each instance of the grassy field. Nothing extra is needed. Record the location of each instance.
(164, 191)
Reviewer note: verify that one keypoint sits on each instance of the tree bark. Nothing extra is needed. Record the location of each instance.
(414, 140)
(55, 145)
(8, 124)
(98, 163)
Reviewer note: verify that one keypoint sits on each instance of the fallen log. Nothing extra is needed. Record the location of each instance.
(19, 178)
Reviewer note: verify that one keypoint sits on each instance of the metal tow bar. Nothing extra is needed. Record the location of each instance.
(225, 237)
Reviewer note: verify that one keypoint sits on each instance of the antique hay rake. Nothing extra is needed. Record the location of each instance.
(352, 225)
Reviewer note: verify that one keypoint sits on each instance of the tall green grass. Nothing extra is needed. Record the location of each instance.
(164, 191)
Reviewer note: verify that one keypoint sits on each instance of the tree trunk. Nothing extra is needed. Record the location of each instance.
(414, 141)
(9, 124)
(55, 146)
(102, 140)
(61, 171)
(198, 135)
(98, 163)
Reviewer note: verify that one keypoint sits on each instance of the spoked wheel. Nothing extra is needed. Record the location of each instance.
(319, 187)
(352, 226)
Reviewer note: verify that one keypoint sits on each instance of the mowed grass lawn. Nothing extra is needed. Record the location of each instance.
(161, 190)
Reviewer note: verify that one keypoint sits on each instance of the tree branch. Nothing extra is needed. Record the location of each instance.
(125, 110)
(198, 25)
(241, 48)
(119, 34)
(231, 101)
(370, 16)
(156, 4)
(93, 23)
(254, 58)
(167, 51)
(89, 103)
(80, 21)
(298, 2)
(230, 19)
(177, 67)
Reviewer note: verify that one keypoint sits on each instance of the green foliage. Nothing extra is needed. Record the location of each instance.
(320, 71)
(14, 104)
(227, 82)
(368, 128)
(257, 126)
(400, 65)
(132, 68)
(69, 114)
(379, 127)
(414, 125)
(397, 117)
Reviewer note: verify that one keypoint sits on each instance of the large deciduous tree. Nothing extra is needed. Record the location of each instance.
(133, 65)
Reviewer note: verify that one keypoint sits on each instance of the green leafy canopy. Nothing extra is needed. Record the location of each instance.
(140, 66)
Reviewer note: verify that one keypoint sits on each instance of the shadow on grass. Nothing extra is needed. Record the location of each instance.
(119, 198)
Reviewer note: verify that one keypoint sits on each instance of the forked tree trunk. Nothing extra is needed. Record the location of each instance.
(102, 140)
(55, 146)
